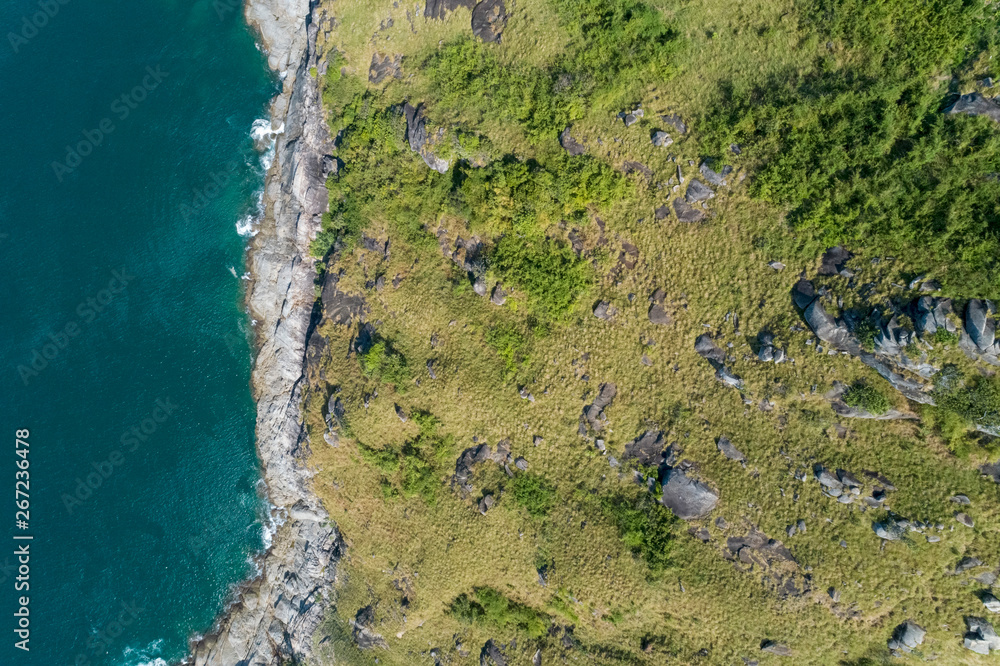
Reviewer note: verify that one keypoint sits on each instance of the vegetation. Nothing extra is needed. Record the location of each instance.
(976, 401)
(533, 493)
(645, 527)
(510, 344)
(867, 397)
(492, 609)
(383, 363)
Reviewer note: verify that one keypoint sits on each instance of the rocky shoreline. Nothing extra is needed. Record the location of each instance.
(274, 616)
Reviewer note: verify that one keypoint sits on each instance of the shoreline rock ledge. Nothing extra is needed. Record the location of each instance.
(274, 616)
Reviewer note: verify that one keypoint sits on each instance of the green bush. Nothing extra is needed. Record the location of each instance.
(510, 344)
(533, 493)
(868, 398)
(976, 400)
(866, 332)
(547, 271)
(857, 148)
(384, 364)
(489, 608)
(385, 460)
(943, 336)
(645, 527)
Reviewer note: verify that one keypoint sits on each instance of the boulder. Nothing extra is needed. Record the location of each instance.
(686, 212)
(658, 315)
(571, 145)
(932, 314)
(776, 648)
(384, 66)
(594, 412)
(976, 104)
(489, 18)
(362, 630)
(706, 348)
(992, 603)
(479, 286)
(803, 293)
(647, 449)
(491, 654)
(907, 636)
(992, 470)
(486, 504)
(416, 136)
(715, 178)
(675, 121)
(661, 139)
(826, 328)
(833, 261)
(698, 191)
(727, 449)
(604, 310)
(498, 297)
(439, 9)
(981, 637)
(964, 519)
(979, 324)
(687, 498)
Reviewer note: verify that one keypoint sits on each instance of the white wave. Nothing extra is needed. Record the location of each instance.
(145, 656)
(264, 137)
(246, 226)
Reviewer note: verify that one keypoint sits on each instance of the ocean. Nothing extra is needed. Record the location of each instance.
(130, 185)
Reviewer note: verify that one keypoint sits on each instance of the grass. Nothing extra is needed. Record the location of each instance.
(633, 584)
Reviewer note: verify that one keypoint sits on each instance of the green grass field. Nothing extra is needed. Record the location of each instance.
(835, 105)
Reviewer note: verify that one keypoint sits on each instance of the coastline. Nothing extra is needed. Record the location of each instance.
(273, 616)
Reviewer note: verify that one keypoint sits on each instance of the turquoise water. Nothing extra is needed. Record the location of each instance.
(123, 337)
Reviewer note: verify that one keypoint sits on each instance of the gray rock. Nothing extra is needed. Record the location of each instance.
(479, 286)
(571, 145)
(980, 637)
(593, 414)
(520, 463)
(647, 449)
(992, 603)
(416, 136)
(960, 499)
(965, 519)
(697, 191)
(834, 594)
(776, 265)
(727, 449)
(675, 121)
(976, 104)
(907, 636)
(439, 9)
(400, 413)
(604, 310)
(967, 563)
(491, 654)
(687, 498)
(826, 328)
(979, 324)
(498, 297)
(706, 348)
(486, 504)
(834, 261)
(305, 550)
(661, 139)
(687, 213)
(776, 649)
(991, 470)
(430, 368)
(713, 177)
(803, 293)
(658, 315)
(826, 479)
(489, 18)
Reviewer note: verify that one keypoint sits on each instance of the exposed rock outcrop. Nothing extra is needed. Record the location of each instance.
(275, 616)
(687, 498)
(416, 136)
(976, 104)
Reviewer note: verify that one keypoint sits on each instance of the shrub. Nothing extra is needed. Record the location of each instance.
(868, 398)
(945, 337)
(976, 400)
(384, 364)
(510, 343)
(866, 332)
(385, 460)
(533, 493)
(490, 608)
(645, 527)
(547, 271)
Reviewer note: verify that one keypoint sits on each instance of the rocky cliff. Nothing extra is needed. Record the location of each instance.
(274, 617)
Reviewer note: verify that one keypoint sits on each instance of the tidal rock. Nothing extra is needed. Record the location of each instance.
(976, 104)
(687, 498)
